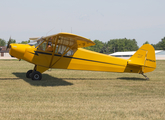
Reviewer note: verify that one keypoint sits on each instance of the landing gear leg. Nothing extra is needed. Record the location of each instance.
(145, 76)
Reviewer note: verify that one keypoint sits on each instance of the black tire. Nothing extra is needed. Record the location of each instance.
(28, 74)
(36, 75)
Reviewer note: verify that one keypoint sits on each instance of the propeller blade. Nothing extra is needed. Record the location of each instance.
(8, 44)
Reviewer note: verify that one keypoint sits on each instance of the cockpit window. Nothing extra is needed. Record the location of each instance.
(60, 48)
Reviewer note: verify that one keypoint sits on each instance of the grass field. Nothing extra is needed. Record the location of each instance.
(80, 95)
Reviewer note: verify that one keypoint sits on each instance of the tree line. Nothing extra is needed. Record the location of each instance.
(160, 45)
(113, 45)
(118, 45)
(4, 43)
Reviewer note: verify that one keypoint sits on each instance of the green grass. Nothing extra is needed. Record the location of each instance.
(76, 95)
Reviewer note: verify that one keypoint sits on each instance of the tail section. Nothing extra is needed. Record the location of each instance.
(144, 58)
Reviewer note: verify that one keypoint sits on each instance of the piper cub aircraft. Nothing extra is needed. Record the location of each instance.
(64, 51)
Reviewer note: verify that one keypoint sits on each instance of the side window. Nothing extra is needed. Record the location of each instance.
(60, 49)
(69, 53)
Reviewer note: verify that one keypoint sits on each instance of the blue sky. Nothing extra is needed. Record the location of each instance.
(143, 20)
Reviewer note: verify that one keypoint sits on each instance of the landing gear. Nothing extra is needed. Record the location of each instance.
(28, 74)
(34, 75)
(145, 76)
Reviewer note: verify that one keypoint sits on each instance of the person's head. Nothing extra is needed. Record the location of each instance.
(49, 43)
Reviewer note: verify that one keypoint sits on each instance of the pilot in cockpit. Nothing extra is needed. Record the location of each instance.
(49, 47)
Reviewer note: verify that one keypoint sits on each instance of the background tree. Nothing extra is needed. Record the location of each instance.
(124, 44)
(25, 42)
(97, 47)
(146, 42)
(163, 43)
(104, 49)
(114, 45)
(2, 42)
(13, 41)
(160, 45)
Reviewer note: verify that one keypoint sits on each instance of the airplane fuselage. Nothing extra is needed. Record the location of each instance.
(82, 59)
(65, 51)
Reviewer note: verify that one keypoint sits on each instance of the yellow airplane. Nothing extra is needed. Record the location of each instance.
(64, 51)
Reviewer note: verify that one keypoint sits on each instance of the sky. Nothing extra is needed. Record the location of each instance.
(142, 20)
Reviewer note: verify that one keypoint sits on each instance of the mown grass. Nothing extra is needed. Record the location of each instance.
(71, 94)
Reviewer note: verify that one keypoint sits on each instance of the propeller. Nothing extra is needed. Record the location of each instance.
(8, 44)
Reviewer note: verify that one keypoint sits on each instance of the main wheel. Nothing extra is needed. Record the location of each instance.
(36, 75)
(28, 74)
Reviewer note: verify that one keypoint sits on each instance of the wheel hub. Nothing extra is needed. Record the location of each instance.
(36, 76)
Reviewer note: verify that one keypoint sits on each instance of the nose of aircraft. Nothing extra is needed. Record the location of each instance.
(18, 50)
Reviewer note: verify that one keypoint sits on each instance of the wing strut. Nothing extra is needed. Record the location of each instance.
(56, 40)
(64, 54)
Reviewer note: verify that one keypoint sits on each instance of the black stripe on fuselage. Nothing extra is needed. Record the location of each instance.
(39, 52)
(36, 53)
(93, 61)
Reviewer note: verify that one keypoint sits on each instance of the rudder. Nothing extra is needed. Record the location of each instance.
(144, 57)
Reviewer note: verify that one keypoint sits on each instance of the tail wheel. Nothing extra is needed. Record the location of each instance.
(36, 75)
(28, 74)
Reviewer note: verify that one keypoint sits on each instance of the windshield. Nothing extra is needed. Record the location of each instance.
(39, 42)
(40, 46)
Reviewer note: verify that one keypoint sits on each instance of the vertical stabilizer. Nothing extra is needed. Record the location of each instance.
(145, 57)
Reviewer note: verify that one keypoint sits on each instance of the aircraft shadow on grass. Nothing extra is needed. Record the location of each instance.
(119, 78)
(53, 81)
(132, 78)
(46, 81)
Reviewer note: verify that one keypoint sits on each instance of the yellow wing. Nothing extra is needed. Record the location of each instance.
(68, 39)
